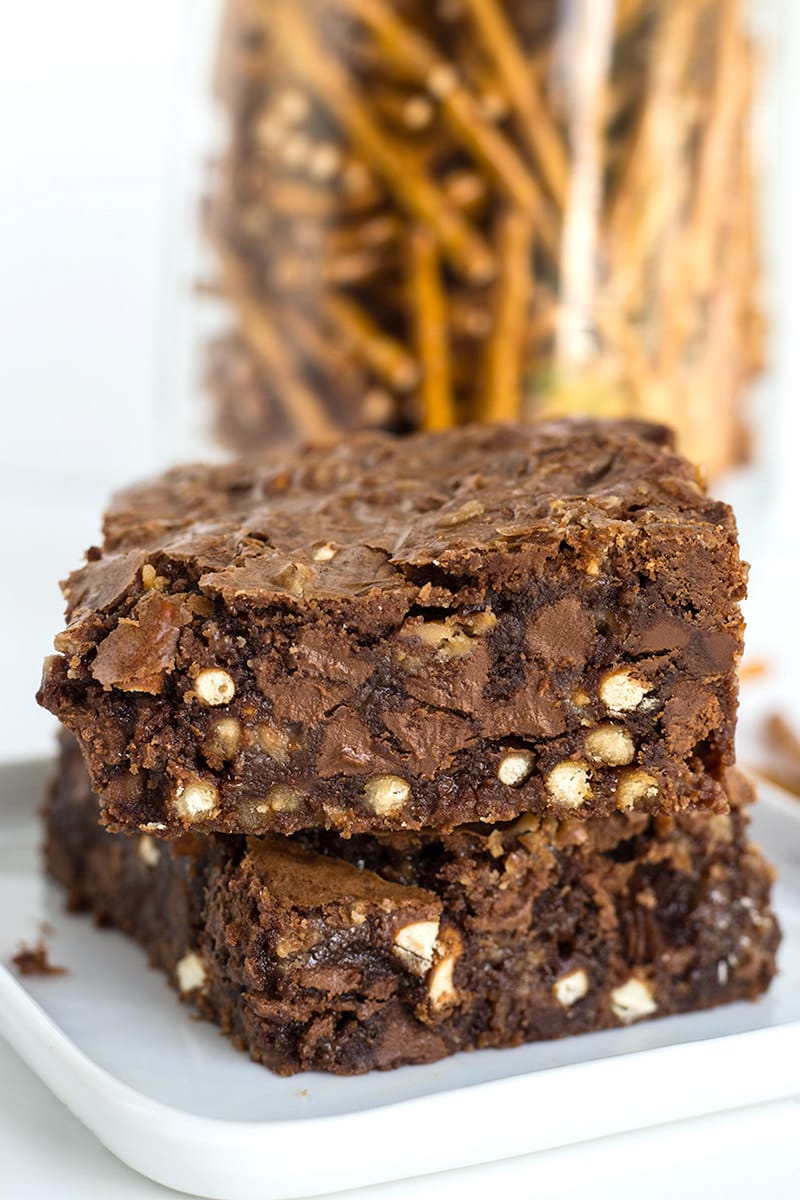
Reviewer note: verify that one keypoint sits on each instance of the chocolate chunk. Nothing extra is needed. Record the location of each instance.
(137, 654)
(562, 634)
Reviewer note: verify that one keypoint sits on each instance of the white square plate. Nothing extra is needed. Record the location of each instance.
(171, 1098)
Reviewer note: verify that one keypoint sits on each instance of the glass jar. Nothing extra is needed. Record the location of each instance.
(431, 211)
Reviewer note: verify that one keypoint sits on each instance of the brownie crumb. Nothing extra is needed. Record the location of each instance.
(35, 960)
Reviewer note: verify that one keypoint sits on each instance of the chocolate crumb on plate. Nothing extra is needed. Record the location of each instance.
(35, 960)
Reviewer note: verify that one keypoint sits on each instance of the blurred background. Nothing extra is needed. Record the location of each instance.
(106, 125)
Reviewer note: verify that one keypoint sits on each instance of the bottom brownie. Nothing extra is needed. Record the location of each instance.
(317, 953)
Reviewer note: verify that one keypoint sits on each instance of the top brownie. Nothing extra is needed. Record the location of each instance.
(410, 632)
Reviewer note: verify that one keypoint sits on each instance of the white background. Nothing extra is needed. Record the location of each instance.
(97, 135)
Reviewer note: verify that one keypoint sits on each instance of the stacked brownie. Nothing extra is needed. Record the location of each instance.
(424, 743)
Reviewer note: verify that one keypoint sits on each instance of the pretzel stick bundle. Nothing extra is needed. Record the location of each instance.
(432, 211)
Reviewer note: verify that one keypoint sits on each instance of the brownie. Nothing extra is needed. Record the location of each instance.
(408, 633)
(316, 952)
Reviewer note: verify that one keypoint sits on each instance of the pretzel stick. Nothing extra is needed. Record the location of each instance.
(631, 358)
(302, 406)
(640, 210)
(346, 254)
(412, 51)
(718, 136)
(514, 285)
(469, 318)
(296, 199)
(631, 12)
(360, 184)
(238, 65)
(721, 366)
(429, 310)
(541, 323)
(375, 233)
(648, 272)
(299, 275)
(707, 294)
(591, 47)
(343, 376)
(410, 112)
(387, 357)
(413, 190)
(513, 69)
(753, 331)
(318, 349)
